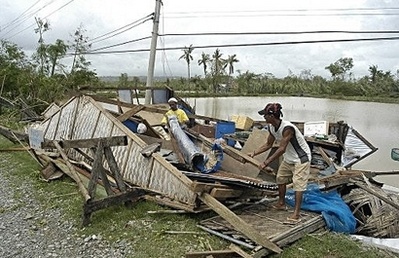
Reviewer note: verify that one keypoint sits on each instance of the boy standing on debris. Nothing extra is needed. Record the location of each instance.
(295, 166)
(175, 111)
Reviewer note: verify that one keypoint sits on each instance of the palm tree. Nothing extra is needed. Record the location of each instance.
(231, 59)
(230, 62)
(204, 61)
(218, 63)
(218, 66)
(188, 57)
(373, 72)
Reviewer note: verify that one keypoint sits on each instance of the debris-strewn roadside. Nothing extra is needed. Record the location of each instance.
(28, 230)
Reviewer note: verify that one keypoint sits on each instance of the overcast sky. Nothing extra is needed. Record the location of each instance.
(100, 17)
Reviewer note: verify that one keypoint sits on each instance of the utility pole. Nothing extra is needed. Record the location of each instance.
(154, 39)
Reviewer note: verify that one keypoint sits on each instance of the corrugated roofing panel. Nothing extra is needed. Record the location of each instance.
(83, 118)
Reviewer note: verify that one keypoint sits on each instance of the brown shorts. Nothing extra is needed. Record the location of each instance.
(296, 173)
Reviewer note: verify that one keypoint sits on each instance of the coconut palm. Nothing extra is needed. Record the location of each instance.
(188, 57)
(231, 59)
(218, 63)
(204, 61)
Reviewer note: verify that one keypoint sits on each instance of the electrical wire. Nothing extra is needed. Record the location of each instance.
(125, 27)
(249, 33)
(28, 16)
(7, 25)
(280, 33)
(120, 44)
(43, 18)
(245, 45)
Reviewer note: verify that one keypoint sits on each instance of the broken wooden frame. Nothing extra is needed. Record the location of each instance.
(101, 147)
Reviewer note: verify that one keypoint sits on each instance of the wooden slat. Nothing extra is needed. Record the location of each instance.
(130, 113)
(72, 173)
(238, 223)
(113, 165)
(213, 254)
(222, 194)
(88, 143)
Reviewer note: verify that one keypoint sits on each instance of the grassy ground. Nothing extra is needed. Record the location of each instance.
(150, 234)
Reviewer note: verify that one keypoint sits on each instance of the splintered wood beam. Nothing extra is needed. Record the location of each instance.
(238, 223)
(88, 143)
(72, 172)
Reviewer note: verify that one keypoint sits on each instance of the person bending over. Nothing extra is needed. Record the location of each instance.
(296, 153)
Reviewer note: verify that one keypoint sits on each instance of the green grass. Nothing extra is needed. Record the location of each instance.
(147, 233)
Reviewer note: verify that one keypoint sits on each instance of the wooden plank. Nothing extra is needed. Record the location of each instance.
(199, 187)
(116, 173)
(95, 171)
(290, 236)
(221, 194)
(130, 113)
(213, 254)
(239, 251)
(12, 135)
(89, 143)
(72, 173)
(325, 156)
(105, 181)
(238, 223)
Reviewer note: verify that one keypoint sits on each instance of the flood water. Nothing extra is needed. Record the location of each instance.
(376, 122)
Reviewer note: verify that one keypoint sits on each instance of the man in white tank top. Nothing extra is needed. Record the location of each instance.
(295, 166)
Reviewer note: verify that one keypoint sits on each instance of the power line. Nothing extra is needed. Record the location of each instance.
(281, 33)
(120, 44)
(33, 24)
(245, 45)
(20, 16)
(249, 33)
(27, 16)
(289, 12)
(295, 10)
(126, 27)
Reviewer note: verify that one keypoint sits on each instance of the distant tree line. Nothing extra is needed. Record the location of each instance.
(378, 83)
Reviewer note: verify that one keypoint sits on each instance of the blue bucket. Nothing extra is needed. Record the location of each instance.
(223, 128)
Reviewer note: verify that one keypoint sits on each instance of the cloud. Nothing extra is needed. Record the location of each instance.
(178, 16)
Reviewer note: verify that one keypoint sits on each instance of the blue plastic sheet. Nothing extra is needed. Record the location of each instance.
(218, 150)
(336, 213)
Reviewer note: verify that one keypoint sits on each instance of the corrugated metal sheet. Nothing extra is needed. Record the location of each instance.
(83, 118)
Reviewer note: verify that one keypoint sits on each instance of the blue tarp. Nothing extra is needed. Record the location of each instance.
(335, 211)
(218, 150)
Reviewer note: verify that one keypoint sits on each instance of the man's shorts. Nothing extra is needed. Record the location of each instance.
(297, 173)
